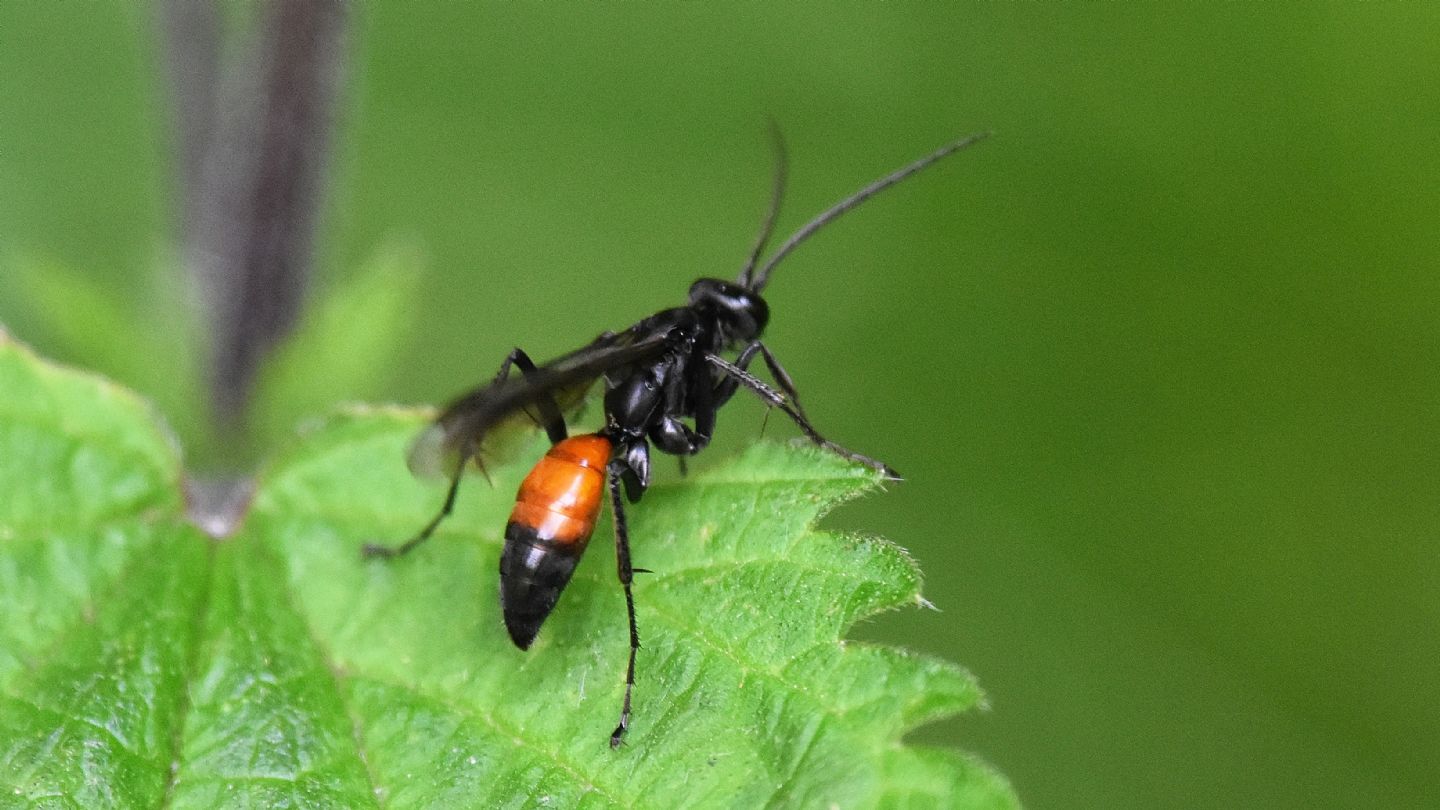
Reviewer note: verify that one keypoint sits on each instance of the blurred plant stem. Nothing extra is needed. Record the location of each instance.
(253, 120)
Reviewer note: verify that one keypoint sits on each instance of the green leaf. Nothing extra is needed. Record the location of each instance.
(142, 664)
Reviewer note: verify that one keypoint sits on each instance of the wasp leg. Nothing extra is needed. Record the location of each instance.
(549, 417)
(672, 435)
(387, 552)
(627, 575)
(779, 400)
(726, 387)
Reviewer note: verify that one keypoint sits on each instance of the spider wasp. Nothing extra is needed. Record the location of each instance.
(664, 370)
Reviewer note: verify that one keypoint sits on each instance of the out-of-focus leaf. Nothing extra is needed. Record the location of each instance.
(157, 351)
(343, 346)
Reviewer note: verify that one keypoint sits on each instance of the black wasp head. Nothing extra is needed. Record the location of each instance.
(740, 311)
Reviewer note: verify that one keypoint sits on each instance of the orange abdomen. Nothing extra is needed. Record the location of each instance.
(560, 498)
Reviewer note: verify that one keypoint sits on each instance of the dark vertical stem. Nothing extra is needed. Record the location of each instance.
(260, 184)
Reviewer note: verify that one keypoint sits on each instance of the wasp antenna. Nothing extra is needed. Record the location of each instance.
(834, 212)
(777, 192)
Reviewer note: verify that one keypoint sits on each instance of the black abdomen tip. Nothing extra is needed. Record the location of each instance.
(533, 572)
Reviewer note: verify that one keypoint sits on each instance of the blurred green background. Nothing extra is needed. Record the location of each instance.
(1159, 360)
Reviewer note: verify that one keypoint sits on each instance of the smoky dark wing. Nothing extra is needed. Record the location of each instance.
(484, 422)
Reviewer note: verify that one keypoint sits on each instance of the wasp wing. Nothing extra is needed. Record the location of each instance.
(485, 422)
